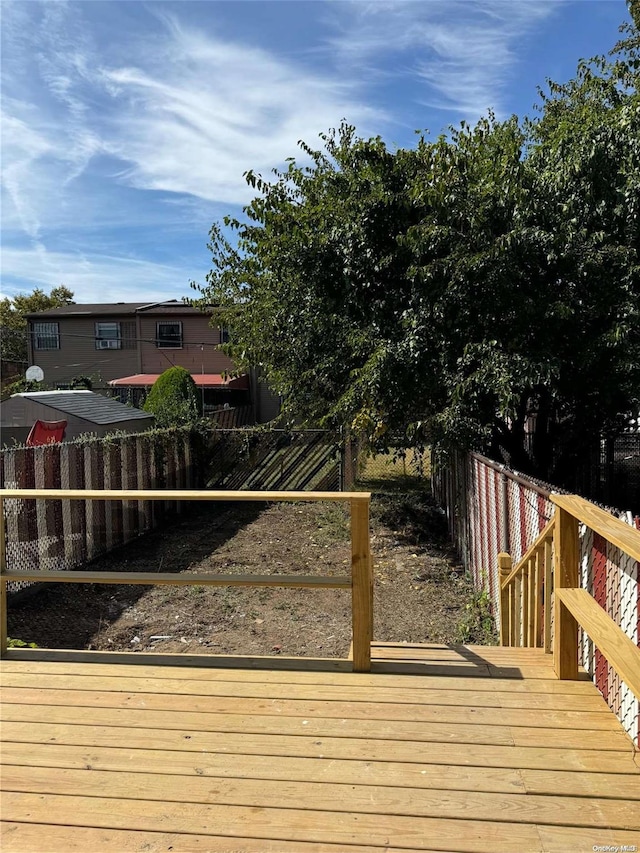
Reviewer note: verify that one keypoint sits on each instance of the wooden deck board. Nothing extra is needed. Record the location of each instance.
(325, 796)
(397, 691)
(203, 667)
(351, 771)
(485, 751)
(45, 838)
(316, 726)
(552, 713)
(307, 825)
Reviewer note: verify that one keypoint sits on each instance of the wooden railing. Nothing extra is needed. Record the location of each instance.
(525, 600)
(360, 581)
(574, 607)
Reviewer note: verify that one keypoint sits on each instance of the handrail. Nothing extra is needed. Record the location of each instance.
(522, 587)
(360, 582)
(571, 606)
(525, 600)
(544, 534)
(599, 520)
(614, 644)
(179, 495)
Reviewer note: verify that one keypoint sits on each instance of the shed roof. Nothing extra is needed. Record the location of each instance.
(87, 405)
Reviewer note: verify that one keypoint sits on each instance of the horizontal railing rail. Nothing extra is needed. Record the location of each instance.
(614, 644)
(360, 581)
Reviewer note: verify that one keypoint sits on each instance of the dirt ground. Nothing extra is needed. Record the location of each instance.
(420, 589)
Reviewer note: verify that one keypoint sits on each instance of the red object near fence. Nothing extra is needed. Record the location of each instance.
(46, 432)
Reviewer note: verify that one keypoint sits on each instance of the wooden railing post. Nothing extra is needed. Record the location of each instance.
(3, 585)
(538, 565)
(567, 558)
(504, 570)
(362, 588)
(548, 591)
(524, 616)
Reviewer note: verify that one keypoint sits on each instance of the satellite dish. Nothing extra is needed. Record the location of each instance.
(34, 374)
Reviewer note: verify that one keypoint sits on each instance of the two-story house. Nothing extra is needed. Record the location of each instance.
(125, 346)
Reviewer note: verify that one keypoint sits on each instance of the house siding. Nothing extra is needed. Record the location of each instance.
(78, 356)
(269, 404)
(198, 353)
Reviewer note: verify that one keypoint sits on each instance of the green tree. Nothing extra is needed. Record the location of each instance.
(306, 288)
(173, 398)
(13, 312)
(459, 291)
(585, 148)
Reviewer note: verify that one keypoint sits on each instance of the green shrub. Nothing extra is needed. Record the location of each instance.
(174, 399)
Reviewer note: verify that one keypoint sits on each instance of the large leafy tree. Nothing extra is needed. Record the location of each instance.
(13, 313)
(308, 289)
(586, 150)
(460, 292)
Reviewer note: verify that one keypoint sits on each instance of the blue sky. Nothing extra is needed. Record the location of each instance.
(127, 126)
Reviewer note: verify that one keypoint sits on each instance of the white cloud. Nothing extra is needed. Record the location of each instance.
(101, 132)
(188, 114)
(462, 51)
(94, 278)
(215, 109)
(22, 147)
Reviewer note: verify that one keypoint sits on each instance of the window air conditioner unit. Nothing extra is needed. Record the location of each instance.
(108, 344)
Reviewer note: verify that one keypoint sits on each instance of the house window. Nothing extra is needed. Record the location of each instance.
(46, 336)
(224, 335)
(169, 335)
(108, 336)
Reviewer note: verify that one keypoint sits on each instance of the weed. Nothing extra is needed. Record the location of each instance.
(477, 625)
(19, 644)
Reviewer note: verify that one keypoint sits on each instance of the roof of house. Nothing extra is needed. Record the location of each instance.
(113, 309)
(86, 405)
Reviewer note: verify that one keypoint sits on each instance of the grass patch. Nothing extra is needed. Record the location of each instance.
(333, 524)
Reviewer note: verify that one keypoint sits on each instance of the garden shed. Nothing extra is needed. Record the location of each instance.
(84, 412)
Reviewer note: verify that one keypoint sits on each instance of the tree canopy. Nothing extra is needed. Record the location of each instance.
(13, 312)
(460, 291)
(173, 398)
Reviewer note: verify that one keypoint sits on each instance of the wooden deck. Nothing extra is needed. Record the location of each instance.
(440, 748)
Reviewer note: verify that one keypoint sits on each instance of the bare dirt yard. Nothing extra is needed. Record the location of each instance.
(421, 593)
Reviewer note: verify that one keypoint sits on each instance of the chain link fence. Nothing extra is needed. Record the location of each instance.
(399, 466)
(56, 535)
(48, 535)
(490, 509)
